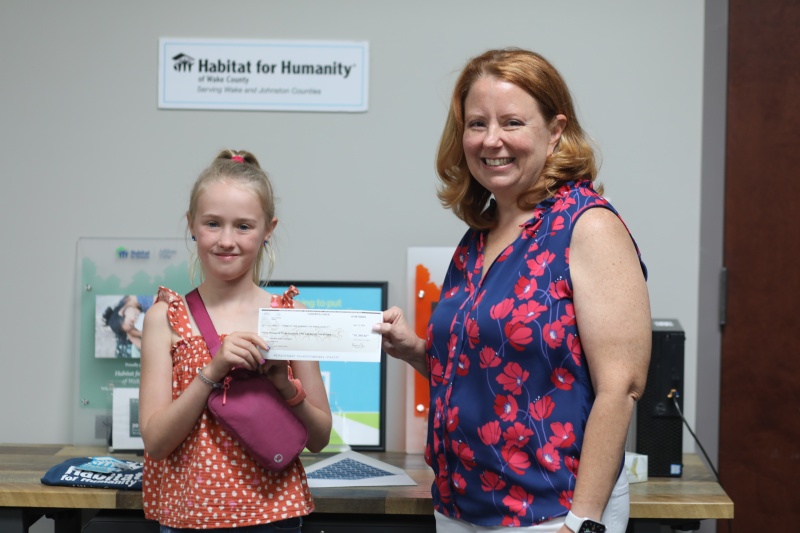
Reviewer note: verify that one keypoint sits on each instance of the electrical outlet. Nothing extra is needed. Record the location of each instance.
(102, 426)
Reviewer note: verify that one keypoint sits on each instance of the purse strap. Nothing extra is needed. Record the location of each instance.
(204, 324)
(206, 327)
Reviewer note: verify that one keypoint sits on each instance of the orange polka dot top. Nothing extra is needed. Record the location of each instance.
(209, 481)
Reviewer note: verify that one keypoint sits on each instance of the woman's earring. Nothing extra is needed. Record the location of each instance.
(266, 243)
(193, 239)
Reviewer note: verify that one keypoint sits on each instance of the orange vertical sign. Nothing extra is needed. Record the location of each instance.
(426, 296)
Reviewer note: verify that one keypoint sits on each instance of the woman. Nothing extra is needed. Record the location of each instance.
(120, 320)
(539, 345)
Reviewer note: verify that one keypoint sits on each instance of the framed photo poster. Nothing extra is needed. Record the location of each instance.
(125, 434)
(356, 390)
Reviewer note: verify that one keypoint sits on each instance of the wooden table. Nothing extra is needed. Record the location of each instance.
(23, 499)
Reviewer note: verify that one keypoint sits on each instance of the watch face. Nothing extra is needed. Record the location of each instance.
(590, 526)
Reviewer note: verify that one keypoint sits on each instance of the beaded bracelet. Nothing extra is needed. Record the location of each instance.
(212, 384)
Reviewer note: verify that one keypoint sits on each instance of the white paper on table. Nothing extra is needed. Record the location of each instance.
(352, 469)
(320, 335)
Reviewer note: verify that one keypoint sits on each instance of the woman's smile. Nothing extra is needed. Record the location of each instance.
(497, 162)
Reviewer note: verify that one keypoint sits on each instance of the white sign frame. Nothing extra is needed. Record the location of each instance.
(263, 75)
(123, 437)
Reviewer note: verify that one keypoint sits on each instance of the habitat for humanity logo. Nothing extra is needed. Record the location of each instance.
(124, 253)
(183, 63)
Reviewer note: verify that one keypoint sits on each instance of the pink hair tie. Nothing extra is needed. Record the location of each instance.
(238, 159)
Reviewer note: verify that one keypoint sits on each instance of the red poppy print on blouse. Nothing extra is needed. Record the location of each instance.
(510, 390)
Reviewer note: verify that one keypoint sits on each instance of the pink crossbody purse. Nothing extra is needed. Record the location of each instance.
(249, 407)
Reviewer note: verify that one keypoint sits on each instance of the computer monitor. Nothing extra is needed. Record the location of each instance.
(356, 391)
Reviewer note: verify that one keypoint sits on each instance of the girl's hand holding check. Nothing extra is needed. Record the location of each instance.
(239, 349)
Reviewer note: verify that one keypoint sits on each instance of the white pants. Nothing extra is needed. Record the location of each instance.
(615, 517)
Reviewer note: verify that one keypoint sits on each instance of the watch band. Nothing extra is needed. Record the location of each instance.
(583, 525)
(299, 396)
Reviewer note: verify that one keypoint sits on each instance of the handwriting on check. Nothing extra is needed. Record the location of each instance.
(309, 332)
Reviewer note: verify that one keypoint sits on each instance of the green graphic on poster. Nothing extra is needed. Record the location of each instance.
(117, 281)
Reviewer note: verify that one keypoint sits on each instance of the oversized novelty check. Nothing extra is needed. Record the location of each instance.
(320, 335)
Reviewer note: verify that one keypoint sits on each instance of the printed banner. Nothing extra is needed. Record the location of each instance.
(263, 75)
(118, 279)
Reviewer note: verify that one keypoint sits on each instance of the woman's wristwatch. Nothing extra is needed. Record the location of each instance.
(583, 525)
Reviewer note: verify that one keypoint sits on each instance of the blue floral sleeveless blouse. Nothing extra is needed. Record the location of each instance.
(510, 388)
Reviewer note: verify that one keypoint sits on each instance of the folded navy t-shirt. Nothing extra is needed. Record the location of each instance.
(68, 474)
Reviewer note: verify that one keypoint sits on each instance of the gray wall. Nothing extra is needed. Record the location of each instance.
(86, 153)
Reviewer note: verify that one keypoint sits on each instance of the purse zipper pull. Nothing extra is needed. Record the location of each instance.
(226, 383)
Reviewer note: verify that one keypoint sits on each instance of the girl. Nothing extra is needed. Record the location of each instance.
(196, 476)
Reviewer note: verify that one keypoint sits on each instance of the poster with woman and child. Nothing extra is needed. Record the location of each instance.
(118, 325)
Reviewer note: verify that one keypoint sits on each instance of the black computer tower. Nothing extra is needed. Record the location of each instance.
(659, 426)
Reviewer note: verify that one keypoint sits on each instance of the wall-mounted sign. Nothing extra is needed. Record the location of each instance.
(330, 76)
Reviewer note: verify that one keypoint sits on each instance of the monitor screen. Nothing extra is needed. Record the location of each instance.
(356, 391)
